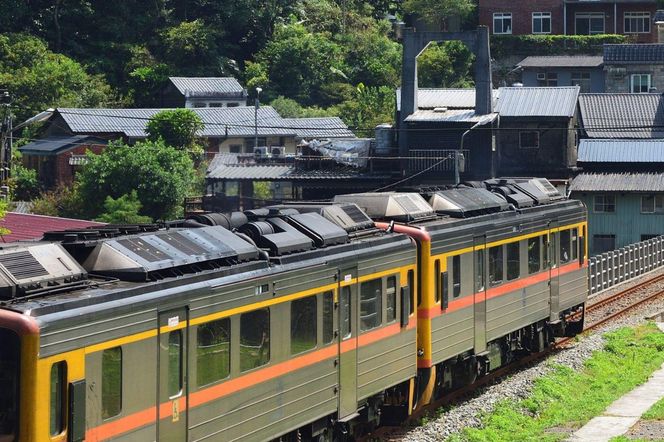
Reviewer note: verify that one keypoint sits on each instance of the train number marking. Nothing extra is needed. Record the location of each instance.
(176, 410)
(348, 278)
(174, 321)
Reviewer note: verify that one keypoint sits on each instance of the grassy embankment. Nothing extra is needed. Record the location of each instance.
(566, 399)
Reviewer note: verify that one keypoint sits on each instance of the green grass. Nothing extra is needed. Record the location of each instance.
(656, 412)
(565, 399)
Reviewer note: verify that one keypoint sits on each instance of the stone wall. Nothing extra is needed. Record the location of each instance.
(618, 77)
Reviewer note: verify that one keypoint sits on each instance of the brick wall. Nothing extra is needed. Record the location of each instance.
(522, 14)
(618, 77)
(63, 172)
(614, 18)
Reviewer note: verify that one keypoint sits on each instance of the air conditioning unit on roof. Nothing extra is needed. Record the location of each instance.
(541, 76)
(278, 151)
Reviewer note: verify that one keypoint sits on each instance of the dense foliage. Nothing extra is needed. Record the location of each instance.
(160, 175)
(510, 45)
(176, 128)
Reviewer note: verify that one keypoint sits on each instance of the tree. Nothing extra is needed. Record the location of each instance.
(159, 174)
(123, 210)
(436, 12)
(190, 48)
(447, 64)
(177, 128)
(369, 107)
(39, 79)
(289, 108)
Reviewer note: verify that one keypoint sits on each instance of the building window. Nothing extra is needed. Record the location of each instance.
(541, 22)
(232, 104)
(640, 83)
(303, 325)
(502, 23)
(547, 79)
(652, 204)
(604, 204)
(111, 382)
(647, 236)
(254, 339)
(581, 79)
(604, 243)
(529, 140)
(588, 23)
(198, 104)
(213, 349)
(235, 148)
(216, 104)
(637, 22)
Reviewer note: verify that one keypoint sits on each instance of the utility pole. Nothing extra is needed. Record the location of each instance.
(5, 142)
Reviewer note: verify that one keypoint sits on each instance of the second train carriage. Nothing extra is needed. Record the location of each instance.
(305, 323)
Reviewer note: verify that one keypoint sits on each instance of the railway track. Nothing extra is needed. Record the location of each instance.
(597, 313)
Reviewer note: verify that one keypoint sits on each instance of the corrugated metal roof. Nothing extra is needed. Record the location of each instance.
(320, 127)
(562, 61)
(56, 144)
(643, 53)
(449, 98)
(450, 116)
(622, 115)
(621, 151)
(207, 86)
(219, 121)
(24, 226)
(618, 182)
(537, 101)
(281, 173)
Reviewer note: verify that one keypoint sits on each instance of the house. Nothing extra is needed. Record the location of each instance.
(194, 92)
(621, 154)
(536, 131)
(571, 17)
(634, 68)
(227, 129)
(56, 158)
(585, 71)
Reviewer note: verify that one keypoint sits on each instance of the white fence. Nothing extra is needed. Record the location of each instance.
(616, 266)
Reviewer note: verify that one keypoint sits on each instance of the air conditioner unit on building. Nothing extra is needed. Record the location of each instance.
(541, 76)
(278, 151)
(261, 151)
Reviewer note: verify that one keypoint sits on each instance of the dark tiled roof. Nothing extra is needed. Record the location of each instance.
(621, 151)
(537, 101)
(618, 182)
(219, 121)
(651, 53)
(562, 61)
(207, 86)
(24, 226)
(57, 144)
(622, 115)
(321, 127)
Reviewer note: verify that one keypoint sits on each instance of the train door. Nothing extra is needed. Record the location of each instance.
(347, 307)
(554, 271)
(172, 376)
(479, 278)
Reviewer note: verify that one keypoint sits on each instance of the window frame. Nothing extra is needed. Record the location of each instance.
(327, 323)
(58, 404)
(642, 17)
(502, 17)
(220, 321)
(264, 340)
(456, 276)
(510, 276)
(496, 265)
(584, 83)
(657, 204)
(542, 17)
(601, 207)
(377, 307)
(104, 378)
(589, 16)
(632, 84)
(537, 137)
(538, 240)
(393, 296)
(298, 306)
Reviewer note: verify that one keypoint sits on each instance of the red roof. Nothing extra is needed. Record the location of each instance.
(24, 226)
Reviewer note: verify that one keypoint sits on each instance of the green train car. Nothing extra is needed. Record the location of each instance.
(300, 322)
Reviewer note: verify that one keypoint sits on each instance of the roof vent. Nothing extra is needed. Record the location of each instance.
(390, 205)
(467, 201)
(33, 269)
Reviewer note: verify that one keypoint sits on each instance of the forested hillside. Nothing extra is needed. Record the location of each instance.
(311, 57)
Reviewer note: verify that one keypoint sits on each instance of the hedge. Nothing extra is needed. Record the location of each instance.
(507, 45)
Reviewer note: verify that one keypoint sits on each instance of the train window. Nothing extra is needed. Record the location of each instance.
(545, 251)
(254, 339)
(328, 317)
(495, 265)
(575, 244)
(174, 363)
(479, 270)
(411, 284)
(213, 350)
(345, 312)
(111, 382)
(9, 384)
(513, 262)
(391, 301)
(303, 325)
(534, 248)
(565, 252)
(456, 276)
(436, 279)
(58, 397)
(371, 304)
